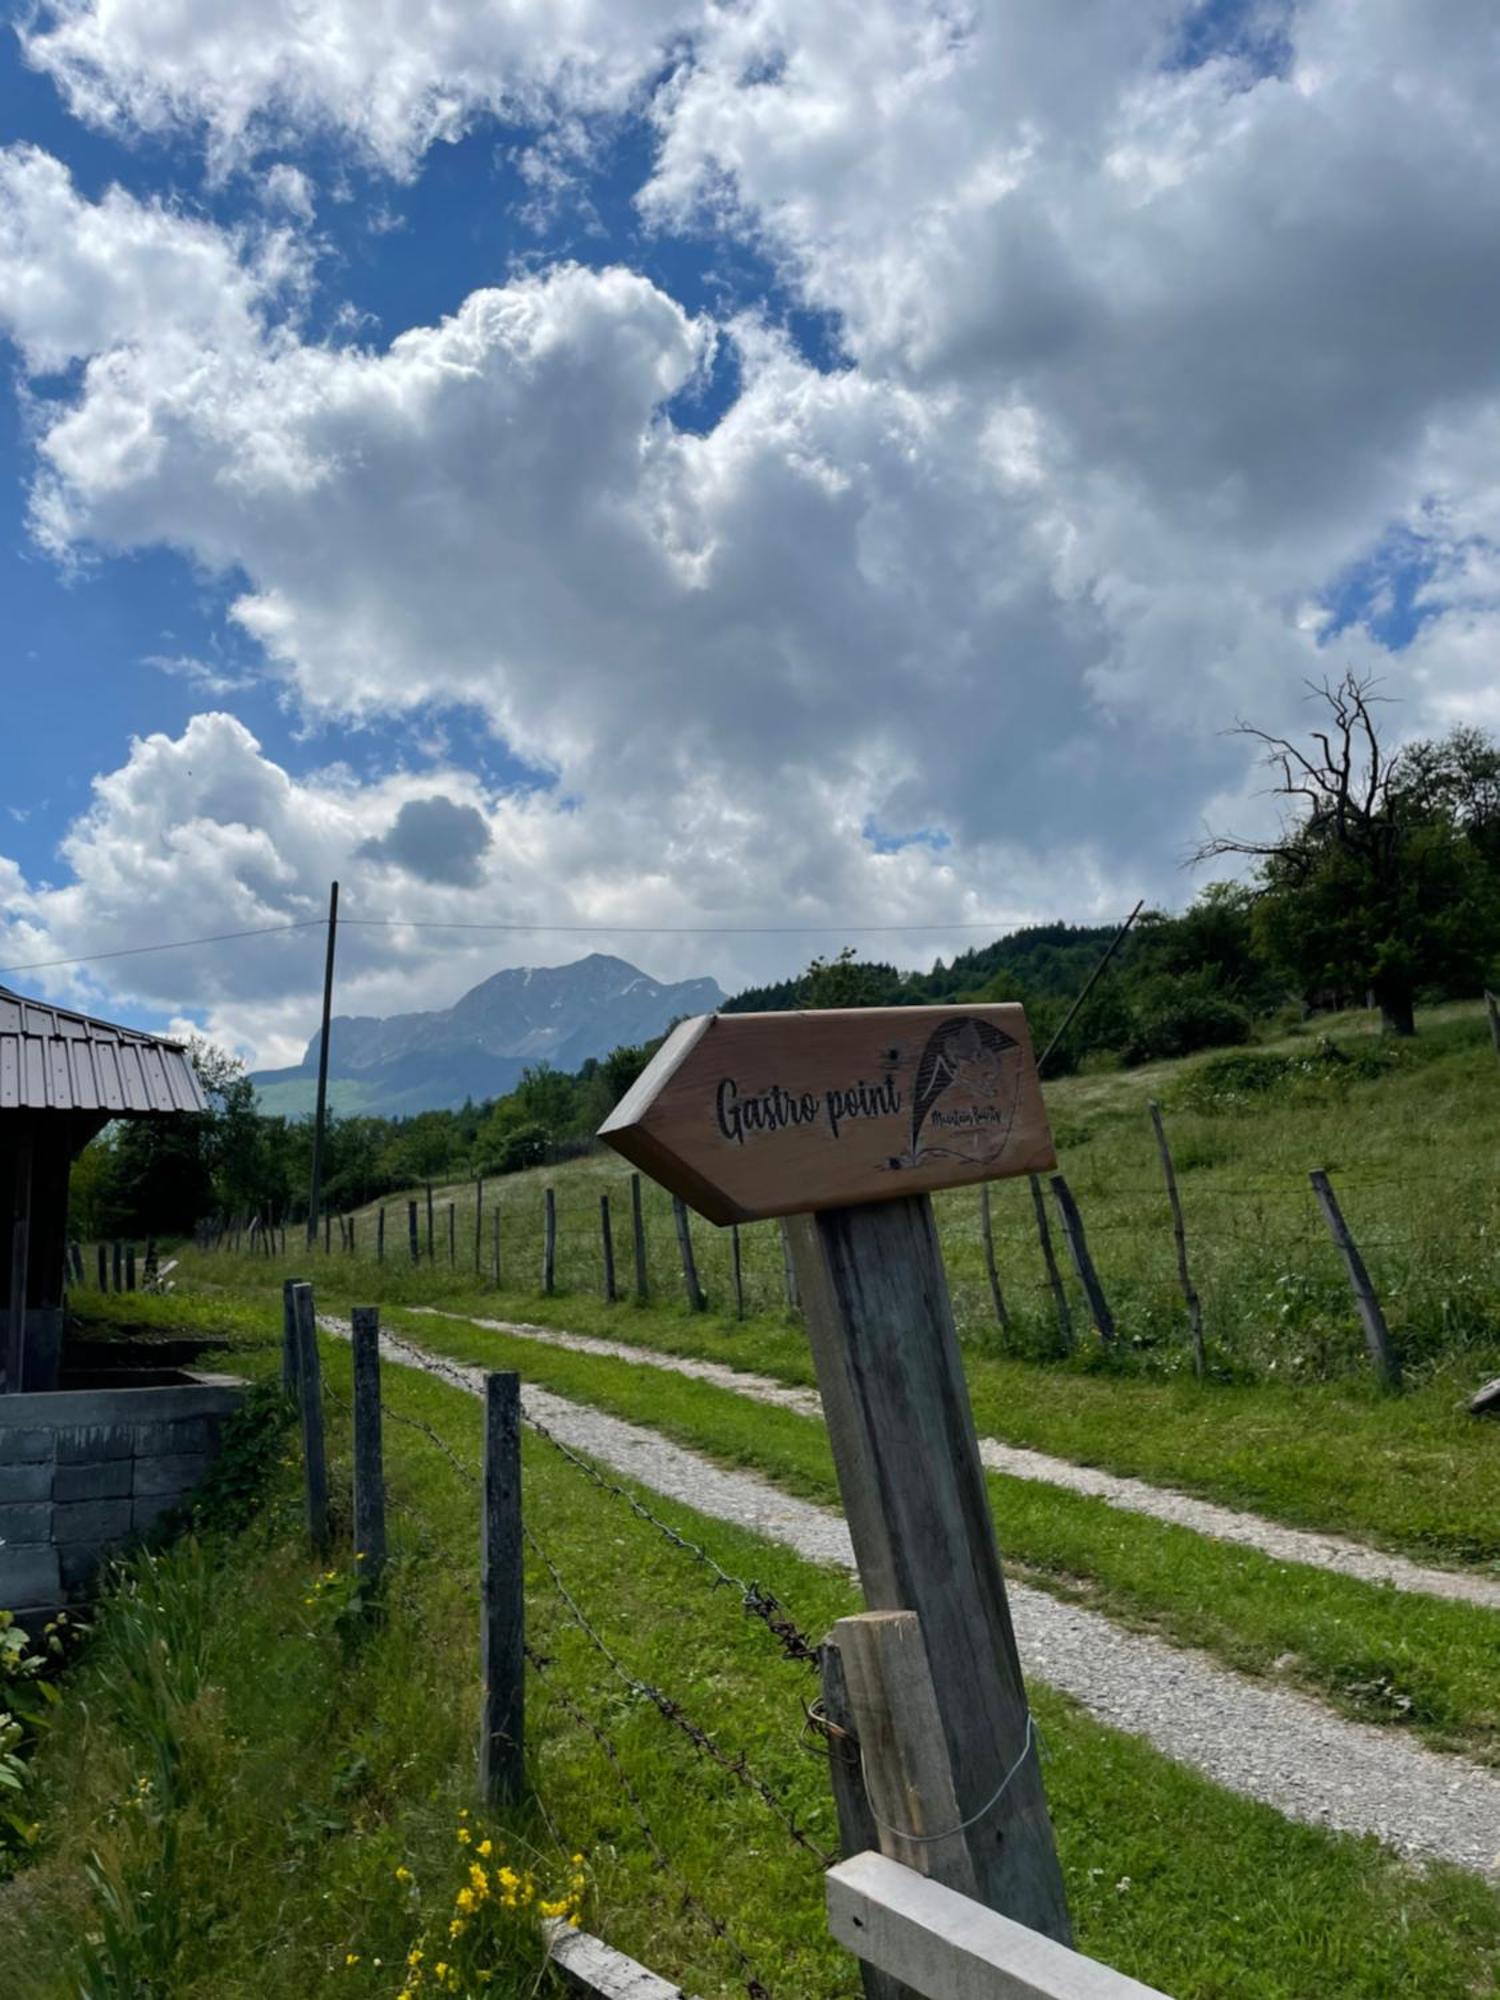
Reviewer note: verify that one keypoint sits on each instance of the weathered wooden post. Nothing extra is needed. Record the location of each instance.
(502, 1658)
(353, 1245)
(549, 1238)
(431, 1253)
(607, 1243)
(1083, 1263)
(1492, 1008)
(327, 1234)
(119, 1264)
(452, 1236)
(1382, 1352)
(987, 1233)
(290, 1368)
(737, 1270)
(411, 1230)
(1054, 1276)
(369, 1467)
(478, 1228)
(102, 1259)
(130, 1267)
(1179, 1237)
(869, 1112)
(858, 1832)
(638, 1240)
(495, 1230)
(310, 1397)
(690, 1283)
(380, 1235)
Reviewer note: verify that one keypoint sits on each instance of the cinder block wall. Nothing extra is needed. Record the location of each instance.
(84, 1472)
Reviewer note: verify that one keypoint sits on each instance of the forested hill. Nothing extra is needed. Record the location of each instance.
(1051, 962)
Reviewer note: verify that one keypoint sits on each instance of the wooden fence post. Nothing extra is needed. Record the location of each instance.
(689, 1265)
(103, 1262)
(119, 1264)
(352, 1241)
(608, 1245)
(411, 1229)
(899, 1420)
(290, 1366)
(478, 1228)
(987, 1233)
(1083, 1263)
(858, 1833)
(638, 1239)
(1377, 1334)
(130, 1267)
(737, 1270)
(310, 1396)
(327, 1233)
(369, 1469)
(502, 1659)
(1054, 1276)
(452, 1236)
(495, 1232)
(549, 1238)
(1179, 1237)
(1492, 1008)
(380, 1235)
(789, 1269)
(431, 1253)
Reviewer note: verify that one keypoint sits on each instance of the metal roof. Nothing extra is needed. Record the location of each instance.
(54, 1060)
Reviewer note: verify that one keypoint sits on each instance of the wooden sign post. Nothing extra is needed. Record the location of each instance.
(847, 1121)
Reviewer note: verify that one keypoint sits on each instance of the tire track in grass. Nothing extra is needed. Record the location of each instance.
(1266, 1743)
(1335, 1553)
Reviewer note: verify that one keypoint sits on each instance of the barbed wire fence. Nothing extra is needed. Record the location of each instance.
(791, 1645)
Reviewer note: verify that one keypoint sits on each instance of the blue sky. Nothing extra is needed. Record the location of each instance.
(751, 471)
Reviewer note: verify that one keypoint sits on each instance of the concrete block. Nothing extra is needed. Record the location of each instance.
(78, 1564)
(96, 1521)
(196, 1434)
(24, 1446)
(105, 1480)
(89, 1444)
(178, 1473)
(26, 1482)
(29, 1576)
(145, 1513)
(24, 1521)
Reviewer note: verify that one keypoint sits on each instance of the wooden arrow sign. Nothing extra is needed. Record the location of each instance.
(751, 1115)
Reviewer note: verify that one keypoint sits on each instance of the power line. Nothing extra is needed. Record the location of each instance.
(175, 944)
(835, 925)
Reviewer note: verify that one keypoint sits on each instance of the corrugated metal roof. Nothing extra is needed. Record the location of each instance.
(54, 1060)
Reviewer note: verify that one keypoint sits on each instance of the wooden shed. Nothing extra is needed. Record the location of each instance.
(63, 1077)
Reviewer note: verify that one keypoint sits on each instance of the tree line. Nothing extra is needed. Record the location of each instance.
(1379, 886)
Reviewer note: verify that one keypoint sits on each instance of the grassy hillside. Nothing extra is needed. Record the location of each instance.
(1410, 1134)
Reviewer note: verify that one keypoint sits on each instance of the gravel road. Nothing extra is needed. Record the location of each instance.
(1265, 1742)
(1135, 1496)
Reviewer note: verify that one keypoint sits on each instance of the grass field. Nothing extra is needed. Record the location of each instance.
(296, 1755)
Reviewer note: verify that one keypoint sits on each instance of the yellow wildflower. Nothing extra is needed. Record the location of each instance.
(464, 1900)
(464, 1836)
(485, 1847)
(479, 1880)
(441, 1969)
(403, 1873)
(351, 1958)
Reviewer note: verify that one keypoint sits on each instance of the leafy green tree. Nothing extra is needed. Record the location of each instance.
(1381, 880)
(845, 981)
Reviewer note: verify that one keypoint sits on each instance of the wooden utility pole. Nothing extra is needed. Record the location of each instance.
(502, 1657)
(369, 1467)
(320, 1118)
(1387, 1363)
(1179, 1237)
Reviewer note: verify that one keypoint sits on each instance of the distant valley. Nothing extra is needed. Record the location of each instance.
(479, 1046)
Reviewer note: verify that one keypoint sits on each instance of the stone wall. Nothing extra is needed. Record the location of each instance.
(83, 1472)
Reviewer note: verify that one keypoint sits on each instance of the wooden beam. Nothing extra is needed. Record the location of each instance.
(589, 1965)
(891, 1376)
(851, 1801)
(948, 1947)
